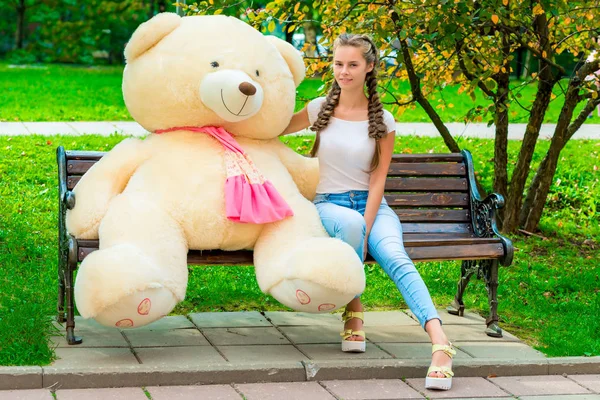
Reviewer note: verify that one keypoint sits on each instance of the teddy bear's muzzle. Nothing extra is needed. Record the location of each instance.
(231, 94)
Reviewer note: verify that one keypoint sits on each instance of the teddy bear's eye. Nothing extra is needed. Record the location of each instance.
(214, 64)
(257, 73)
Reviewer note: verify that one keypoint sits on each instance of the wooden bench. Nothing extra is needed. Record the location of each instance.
(443, 218)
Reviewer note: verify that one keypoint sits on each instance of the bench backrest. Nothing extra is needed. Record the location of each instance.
(429, 192)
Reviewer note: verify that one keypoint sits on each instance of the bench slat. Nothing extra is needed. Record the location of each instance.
(426, 184)
(427, 169)
(411, 227)
(456, 252)
(79, 167)
(427, 200)
(84, 155)
(413, 215)
(424, 158)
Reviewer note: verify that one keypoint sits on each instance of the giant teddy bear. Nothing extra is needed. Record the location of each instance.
(150, 201)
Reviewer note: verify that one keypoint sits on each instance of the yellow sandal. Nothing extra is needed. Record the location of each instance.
(353, 346)
(444, 383)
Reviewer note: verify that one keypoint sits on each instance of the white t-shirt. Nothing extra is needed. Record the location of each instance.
(345, 151)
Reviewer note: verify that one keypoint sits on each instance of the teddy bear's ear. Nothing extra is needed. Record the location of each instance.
(149, 33)
(291, 56)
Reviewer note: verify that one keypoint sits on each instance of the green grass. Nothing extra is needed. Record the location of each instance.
(549, 296)
(75, 93)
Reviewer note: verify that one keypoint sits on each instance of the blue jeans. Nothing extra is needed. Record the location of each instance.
(342, 216)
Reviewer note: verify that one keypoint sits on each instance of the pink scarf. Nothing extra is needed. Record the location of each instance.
(249, 196)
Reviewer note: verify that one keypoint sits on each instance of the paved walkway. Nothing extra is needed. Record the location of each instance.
(587, 131)
(288, 355)
(549, 387)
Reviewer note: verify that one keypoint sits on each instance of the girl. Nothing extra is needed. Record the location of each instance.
(354, 144)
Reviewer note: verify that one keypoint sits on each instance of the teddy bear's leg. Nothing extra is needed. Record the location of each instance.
(140, 271)
(302, 267)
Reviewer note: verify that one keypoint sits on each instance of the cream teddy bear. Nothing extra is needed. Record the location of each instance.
(149, 201)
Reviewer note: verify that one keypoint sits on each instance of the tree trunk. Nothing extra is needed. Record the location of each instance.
(20, 32)
(546, 82)
(540, 187)
(501, 122)
(415, 87)
(525, 70)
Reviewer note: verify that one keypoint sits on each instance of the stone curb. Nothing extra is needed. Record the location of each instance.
(15, 378)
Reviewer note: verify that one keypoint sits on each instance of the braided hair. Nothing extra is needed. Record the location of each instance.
(377, 128)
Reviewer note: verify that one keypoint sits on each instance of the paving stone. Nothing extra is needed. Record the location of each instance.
(388, 318)
(365, 368)
(416, 350)
(99, 357)
(20, 378)
(372, 389)
(212, 392)
(100, 338)
(284, 318)
(262, 353)
(313, 334)
(102, 394)
(539, 385)
(166, 323)
(244, 336)
(55, 128)
(229, 319)
(166, 338)
(470, 318)
(13, 128)
(32, 394)
(505, 350)
(475, 333)
(328, 351)
(289, 391)
(591, 382)
(398, 334)
(461, 387)
(563, 397)
(189, 355)
(97, 128)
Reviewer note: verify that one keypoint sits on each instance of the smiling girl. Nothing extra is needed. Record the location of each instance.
(354, 144)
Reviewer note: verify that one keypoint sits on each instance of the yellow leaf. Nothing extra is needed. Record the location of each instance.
(538, 10)
(544, 54)
(211, 2)
(567, 21)
(296, 8)
(495, 19)
(271, 26)
(505, 2)
(450, 105)
(594, 95)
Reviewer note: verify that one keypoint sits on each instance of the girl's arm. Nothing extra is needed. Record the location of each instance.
(298, 122)
(377, 182)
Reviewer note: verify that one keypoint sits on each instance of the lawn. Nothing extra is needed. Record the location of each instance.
(549, 296)
(76, 93)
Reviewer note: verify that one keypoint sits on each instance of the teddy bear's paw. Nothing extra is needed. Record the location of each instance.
(306, 296)
(323, 274)
(139, 309)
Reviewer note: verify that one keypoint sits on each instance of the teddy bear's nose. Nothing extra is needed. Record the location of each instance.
(247, 88)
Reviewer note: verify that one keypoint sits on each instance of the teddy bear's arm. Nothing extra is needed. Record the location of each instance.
(107, 178)
(304, 170)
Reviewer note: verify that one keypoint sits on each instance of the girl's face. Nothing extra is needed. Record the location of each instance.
(350, 67)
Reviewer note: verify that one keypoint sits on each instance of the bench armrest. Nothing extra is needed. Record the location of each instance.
(483, 212)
